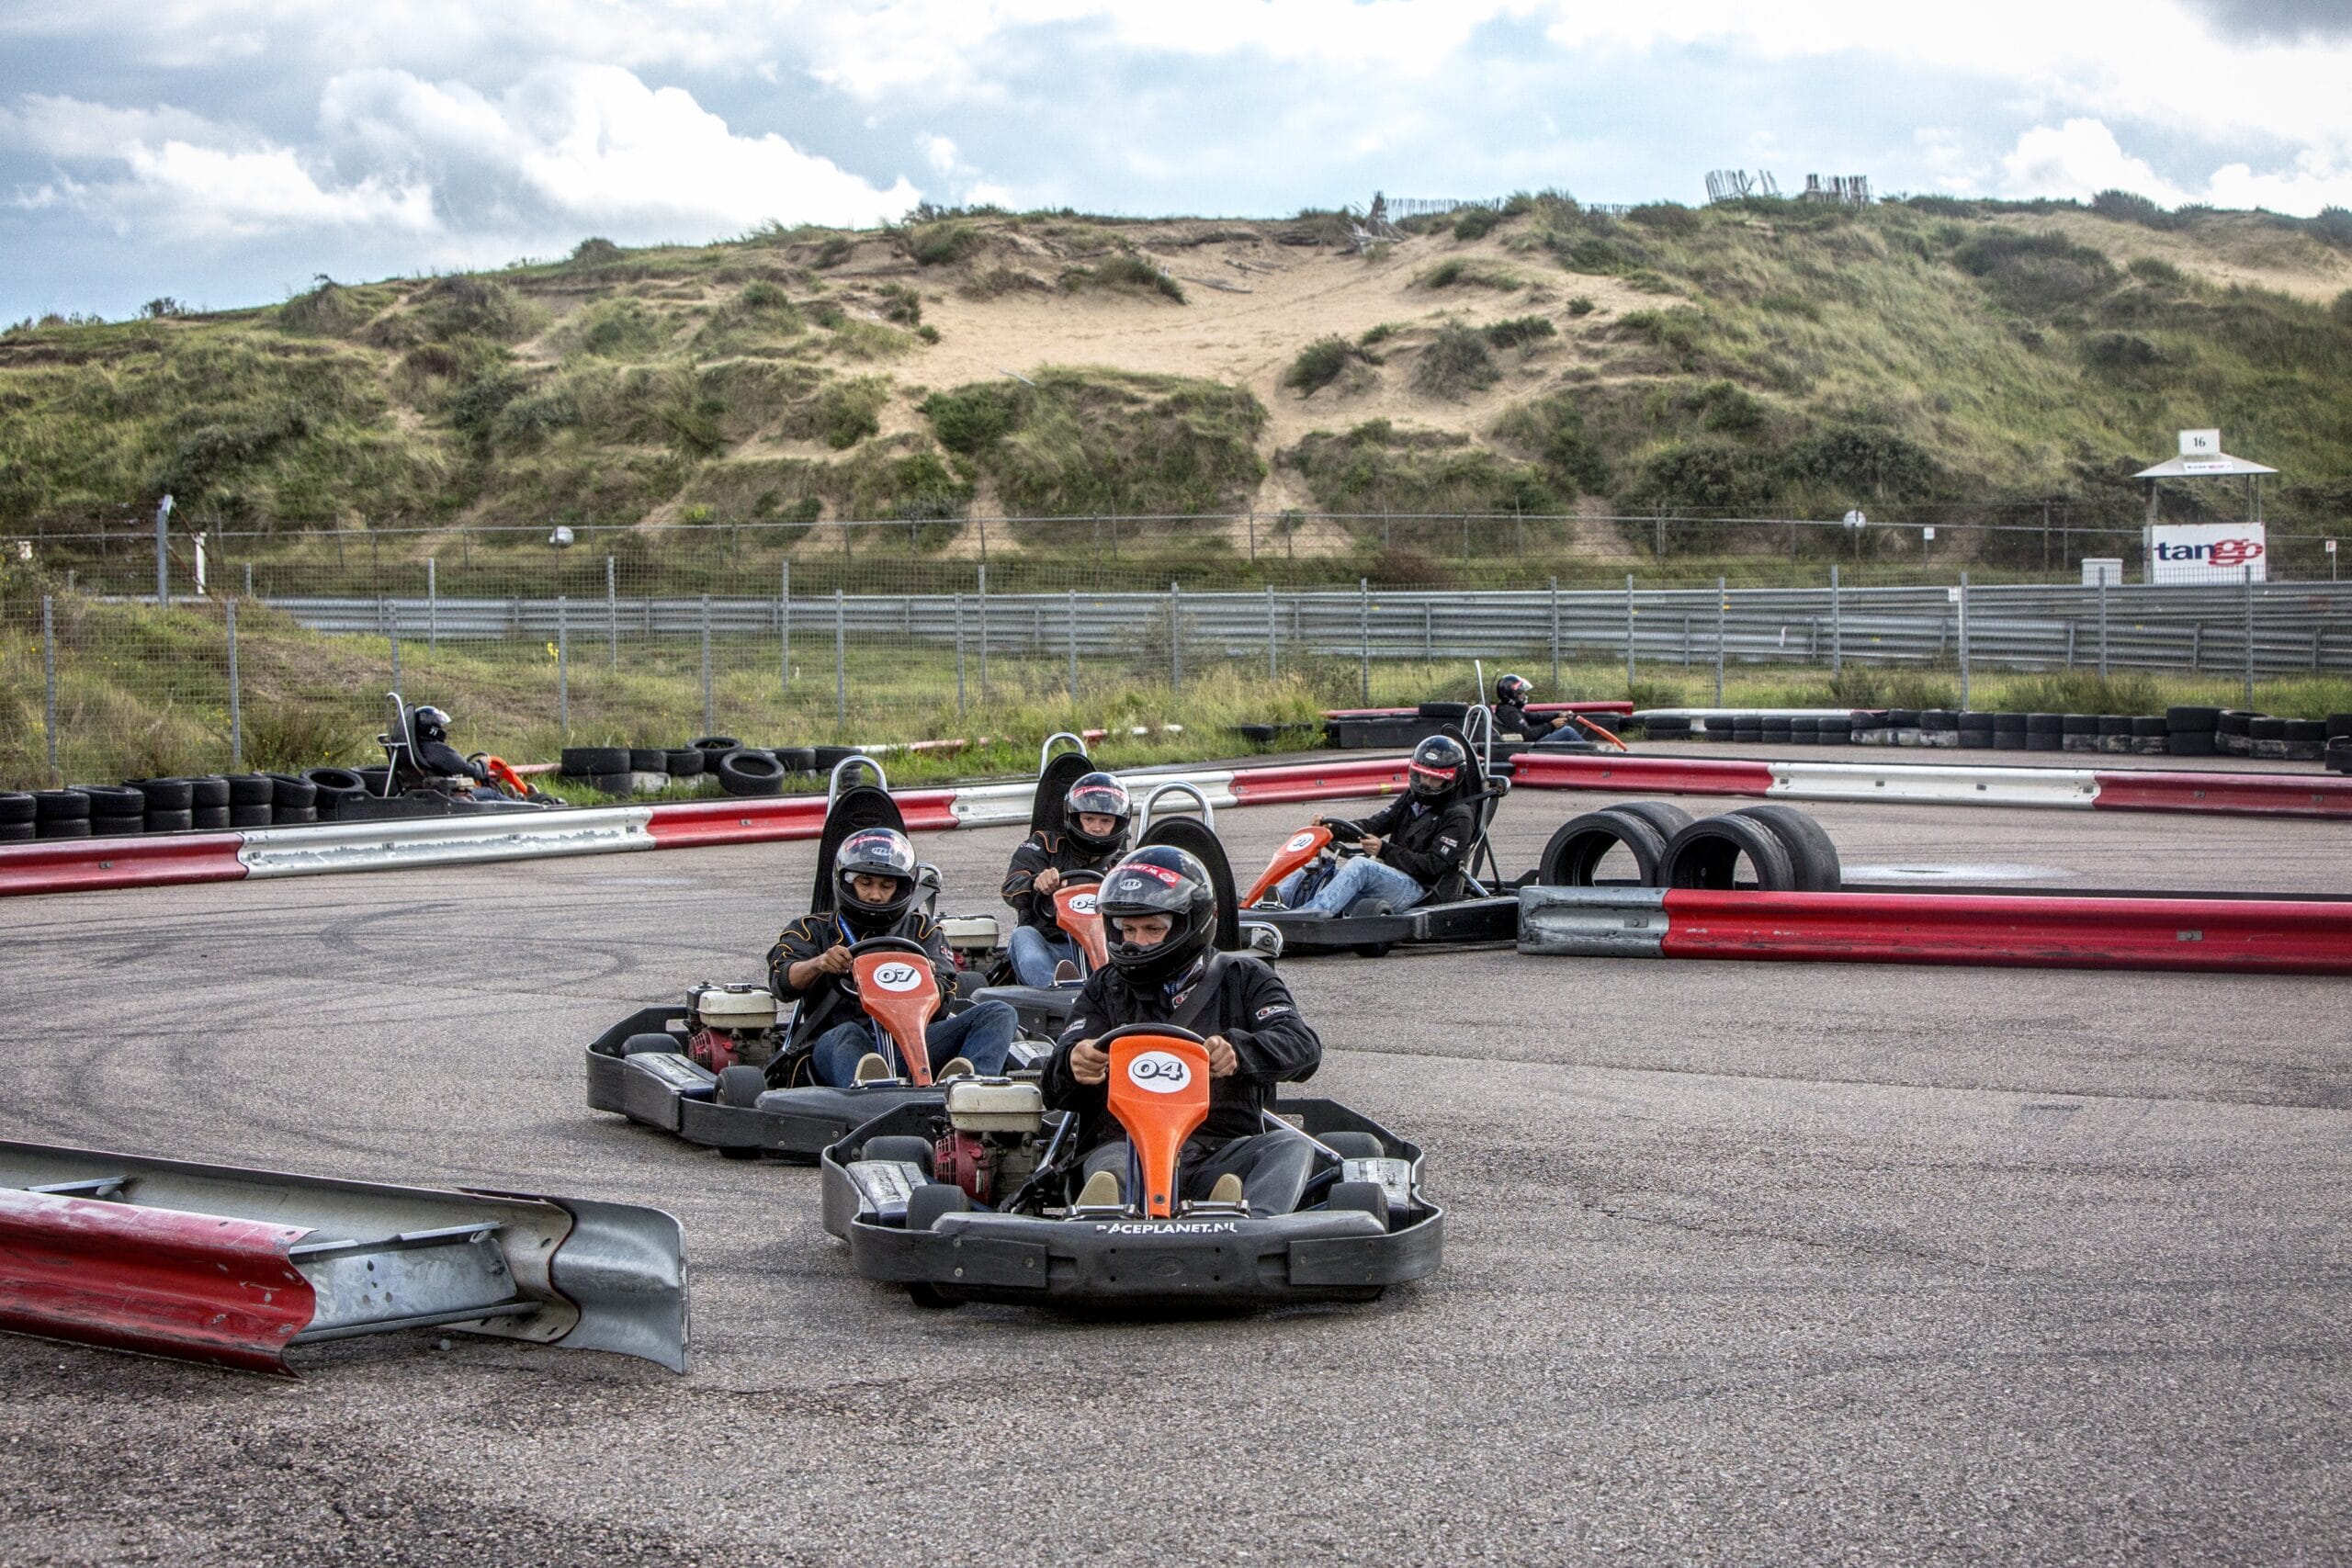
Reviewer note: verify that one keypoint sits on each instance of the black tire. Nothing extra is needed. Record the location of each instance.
(166, 795)
(2262, 727)
(585, 761)
(334, 780)
(2146, 728)
(207, 792)
(1778, 727)
(1812, 857)
(291, 793)
(2011, 728)
(209, 818)
(2340, 725)
(18, 833)
(251, 789)
(295, 815)
(1360, 1197)
(63, 828)
(750, 774)
(171, 821)
(900, 1146)
(2185, 720)
(684, 763)
(60, 805)
(646, 759)
(1581, 843)
(374, 781)
(652, 1043)
(1837, 732)
(1668, 727)
(709, 743)
(1719, 729)
(927, 1204)
(114, 800)
(741, 1085)
(825, 759)
(1975, 740)
(260, 815)
(797, 759)
(619, 786)
(15, 808)
(2045, 723)
(1903, 718)
(1352, 1144)
(1707, 853)
(1938, 720)
(117, 827)
(1979, 722)
(2306, 729)
(1663, 814)
(1449, 711)
(2231, 721)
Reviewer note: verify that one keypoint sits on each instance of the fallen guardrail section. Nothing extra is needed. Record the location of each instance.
(1928, 784)
(2284, 936)
(232, 1267)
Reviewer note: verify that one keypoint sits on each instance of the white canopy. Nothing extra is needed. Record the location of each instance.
(2220, 466)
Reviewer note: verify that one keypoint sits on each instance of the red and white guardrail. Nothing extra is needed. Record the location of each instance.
(62, 866)
(2281, 936)
(1928, 783)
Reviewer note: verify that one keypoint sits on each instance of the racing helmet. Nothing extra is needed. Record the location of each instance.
(1158, 879)
(1097, 795)
(431, 723)
(1436, 768)
(1512, 691)
(874, 852)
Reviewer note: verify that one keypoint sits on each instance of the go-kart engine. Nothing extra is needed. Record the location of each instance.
(989, 1145)
(731, 1025)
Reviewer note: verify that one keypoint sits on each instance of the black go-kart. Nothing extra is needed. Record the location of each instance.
(408, 790)
(971, 1193)
(703, 1070)
(1475, 905)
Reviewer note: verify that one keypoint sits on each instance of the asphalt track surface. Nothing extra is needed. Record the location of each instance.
(1746, 1262)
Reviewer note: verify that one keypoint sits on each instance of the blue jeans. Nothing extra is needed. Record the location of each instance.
(1033, 954)
(1355, 877)
(982, 1034)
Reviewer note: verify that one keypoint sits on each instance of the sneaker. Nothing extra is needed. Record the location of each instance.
(871, 1068)
(1101, 1191)
(1066, 973)
(956, 1068)
(1226, 1190)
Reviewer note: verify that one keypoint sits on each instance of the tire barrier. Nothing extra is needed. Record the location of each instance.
(2179, 731)
(232, 1267)
(2282, 936)
(1930, 784)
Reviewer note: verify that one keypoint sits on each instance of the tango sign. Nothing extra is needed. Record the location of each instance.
(2206, 552)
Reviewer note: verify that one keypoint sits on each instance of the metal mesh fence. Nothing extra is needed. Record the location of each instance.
(788, 634)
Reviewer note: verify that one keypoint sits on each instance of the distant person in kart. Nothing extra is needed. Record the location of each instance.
(874, 894)
(1094, 833)
(1160, 908)
(437, 759)
(1511, 718)
(1411, 850)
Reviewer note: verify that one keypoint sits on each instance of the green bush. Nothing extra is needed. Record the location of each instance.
(972, 418)
(1710, 474)
(594, 252)
(2041, 273)
(937, 244)
(1664, 218)
(1319, 364)
(2127, 207)
(1460, 271)
(1863, 460)
(2156, 269)
(1476, 223)
(1552, 430)
(1455, 363)
(1125, 273)
(846, 413)
(1582, 305)
(1519, 332)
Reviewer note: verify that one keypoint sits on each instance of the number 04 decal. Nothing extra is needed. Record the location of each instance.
(1160, 1072)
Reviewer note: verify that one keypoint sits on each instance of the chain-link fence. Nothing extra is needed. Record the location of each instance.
(885, 632)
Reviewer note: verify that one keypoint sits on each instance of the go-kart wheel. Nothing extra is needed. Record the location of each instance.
(901, 1146)
(645, 1045)
(1353, 1146)
(729, 1151)
(1373, 949)
(926, 1204)
(1361, 1197)
(928, 1298)
(741, 1085)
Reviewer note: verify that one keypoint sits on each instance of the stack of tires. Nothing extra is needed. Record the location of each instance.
(17, 821)
(1772, 848)
(2238, 732)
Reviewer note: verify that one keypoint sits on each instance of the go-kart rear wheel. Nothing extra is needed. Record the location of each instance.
(1352, 1144)
(742, 1086)
(1360, 1197)
(901, 1146)
(642, 1045)
(926, 1204)
(928, 1298)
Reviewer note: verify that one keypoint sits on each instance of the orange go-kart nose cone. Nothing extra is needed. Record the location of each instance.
(1296, 851)
(505, 778)
(900, 993)
(1074, 910)
(1159, 1092)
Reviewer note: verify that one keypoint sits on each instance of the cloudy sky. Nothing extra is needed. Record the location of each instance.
(223, 152)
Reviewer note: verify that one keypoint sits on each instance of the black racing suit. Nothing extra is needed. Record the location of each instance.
(1230, 994)
(1432, 844)
(439, 760)
(829, 1000)
(1063, 853)
(1512, 719)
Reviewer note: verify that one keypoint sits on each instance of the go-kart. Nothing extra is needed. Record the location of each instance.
(1466, 908)
(971, 1194)
(706, 1070)
(409, 791)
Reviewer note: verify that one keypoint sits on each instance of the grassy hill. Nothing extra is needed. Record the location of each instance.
(1752, 359)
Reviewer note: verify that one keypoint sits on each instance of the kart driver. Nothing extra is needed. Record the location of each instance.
(437, 759)
(1161, 909)
(874, 894)
(1413, 851)
(1511, 716)
(1095, 815)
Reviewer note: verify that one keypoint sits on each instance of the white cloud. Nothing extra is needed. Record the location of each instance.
(2079, 159)
(939, 152)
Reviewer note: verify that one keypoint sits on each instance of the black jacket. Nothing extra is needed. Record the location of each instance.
(1512, 719)
(1234, 994)
(1036, 853)
(829, 1001)
(439, 760)
(1430, 844)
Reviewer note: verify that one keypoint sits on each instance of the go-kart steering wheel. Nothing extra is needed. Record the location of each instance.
(1166, 1030)
(880, 945)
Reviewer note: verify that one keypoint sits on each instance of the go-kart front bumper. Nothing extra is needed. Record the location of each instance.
(1463, 922)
